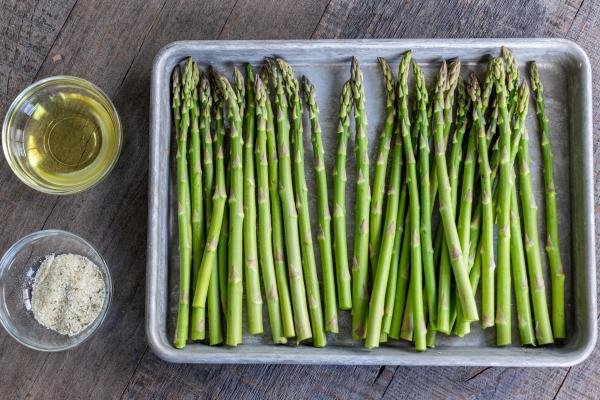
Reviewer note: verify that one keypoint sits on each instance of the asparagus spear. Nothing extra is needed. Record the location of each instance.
(324, 236)
(400, 302)
(224, 234)
(466, 201)
(532, 244)
(503, 309)
(444, 303)
(426, 240)
(211, 198)
(375, 228)
(181, 118)
(253, 296)
(519, 272)
(464, 291)
(340, 247)
(518, 108)
(390, 293)
(416, 274)
(552, 241)
(276, 218)
(382, 272)
(360, 259)
(290, 216)
(487, 237)
(197, 327)
(264, 216)
(236, 218)
(308, 256)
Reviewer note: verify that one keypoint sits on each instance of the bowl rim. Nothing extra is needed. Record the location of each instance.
(93, 327)
(30, 89)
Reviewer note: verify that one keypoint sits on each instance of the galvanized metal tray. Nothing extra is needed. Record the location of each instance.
(565, 71)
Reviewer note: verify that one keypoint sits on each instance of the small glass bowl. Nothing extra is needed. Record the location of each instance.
(18, 267)
(25, 109)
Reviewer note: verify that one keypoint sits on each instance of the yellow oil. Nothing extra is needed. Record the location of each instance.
(70, 139)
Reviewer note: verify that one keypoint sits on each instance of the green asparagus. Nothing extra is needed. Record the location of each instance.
(324, 236)
(552, 242)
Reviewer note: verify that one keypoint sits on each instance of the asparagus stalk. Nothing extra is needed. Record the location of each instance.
(445, 275)
(416, 274)
(390, 293)
(382, 272)
(253, 296)
(308, 256)
(324, 236)
(264, 216)
(276, 218)
(408, 319)
(215, 327)
(378, 189)
(198, 324)
(488, 264)
(503, 309)
(463, 327)
(236, 218)
(464, 291)
(224, 234)
(519, 272)
(466, 200)
(212, 196)
(518, 266)
(552, 240)
(290, 215)
(532, 244)
(426, 240)
(181, 103)
(400, 306)
(360, 259)
(340, 246)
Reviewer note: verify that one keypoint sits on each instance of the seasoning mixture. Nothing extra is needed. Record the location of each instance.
(68, 293)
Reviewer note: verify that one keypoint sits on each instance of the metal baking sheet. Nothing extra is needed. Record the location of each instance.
(565, 71)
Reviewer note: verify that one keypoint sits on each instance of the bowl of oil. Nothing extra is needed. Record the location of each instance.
(62, 135)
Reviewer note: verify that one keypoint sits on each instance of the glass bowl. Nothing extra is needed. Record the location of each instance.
(18, 267)
(61, 135)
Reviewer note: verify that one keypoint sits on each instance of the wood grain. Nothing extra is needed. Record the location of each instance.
(277, 382)
(273, 19)
(113, 44)
(417, 19)
(28, 30)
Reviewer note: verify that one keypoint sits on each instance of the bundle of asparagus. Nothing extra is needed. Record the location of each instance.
(243, 208)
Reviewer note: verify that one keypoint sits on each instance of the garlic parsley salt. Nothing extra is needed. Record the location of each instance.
(68, 293)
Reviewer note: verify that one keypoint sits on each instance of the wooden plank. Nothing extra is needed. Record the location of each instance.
(414, 19)
(273, 19)
(486, 383)
(29, 29)
(157, 379)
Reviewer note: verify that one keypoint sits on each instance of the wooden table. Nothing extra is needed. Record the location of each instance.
(112, 43)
